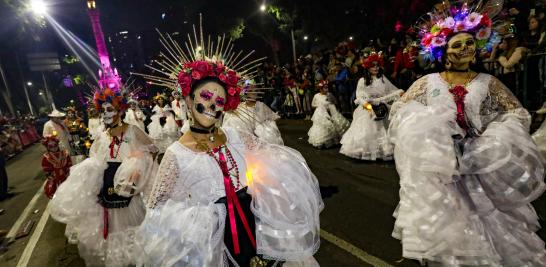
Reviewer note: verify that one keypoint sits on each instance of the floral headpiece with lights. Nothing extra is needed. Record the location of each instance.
(181, 65)
(116, 98)
(373, 57)
(456, 17)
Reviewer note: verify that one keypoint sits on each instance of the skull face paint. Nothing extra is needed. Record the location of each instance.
(461, 49)
(109, 114)
(208, 104)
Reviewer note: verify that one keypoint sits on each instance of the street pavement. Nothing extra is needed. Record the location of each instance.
(359, 197)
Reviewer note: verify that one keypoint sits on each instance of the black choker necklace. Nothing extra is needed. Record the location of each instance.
(467, 70)
(203, 131)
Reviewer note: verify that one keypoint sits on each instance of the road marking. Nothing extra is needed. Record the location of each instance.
(29, 249)
(353, 250)
(24, 215)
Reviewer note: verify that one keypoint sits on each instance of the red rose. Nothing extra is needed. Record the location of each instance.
(184, 80)
(232, 90)
(223, 78)
(232, 78)
(486, 21)
(446, 31)
(426, 41)
(232, 103)
(203, 68)
(196, 75)
(220, 68)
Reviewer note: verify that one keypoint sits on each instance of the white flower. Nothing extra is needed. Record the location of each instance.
(459, 26)
(438, 41)
(472, 20)
(449, 22)
(483, 33)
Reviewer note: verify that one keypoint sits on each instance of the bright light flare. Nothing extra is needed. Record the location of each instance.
(305, 37)
(263, 7)
(38, 7)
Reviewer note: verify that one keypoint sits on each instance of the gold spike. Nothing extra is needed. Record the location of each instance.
(243, 59)
(158, 70)
(250, 63)
(201, 31)
(183, 55)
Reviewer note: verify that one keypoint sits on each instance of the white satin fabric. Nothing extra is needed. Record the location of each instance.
(466, 202)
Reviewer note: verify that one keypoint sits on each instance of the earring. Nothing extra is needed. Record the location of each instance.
(474, 60)
(448, 65)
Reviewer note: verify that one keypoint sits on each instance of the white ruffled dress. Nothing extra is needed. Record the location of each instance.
(185, 225)
(328, 123)
(367, 138)
(163, 136)
(258, 120)
(76, 201)
(466, 201)
(539, 136)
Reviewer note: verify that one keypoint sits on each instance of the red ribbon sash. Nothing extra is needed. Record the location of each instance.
(459, 92)
(232, 204)
(105, 223)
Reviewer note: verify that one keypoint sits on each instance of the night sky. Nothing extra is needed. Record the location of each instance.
(325, 23)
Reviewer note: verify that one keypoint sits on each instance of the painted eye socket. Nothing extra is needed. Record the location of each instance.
(220, 101)
(206, 95)
(470, 42)
(457, 45)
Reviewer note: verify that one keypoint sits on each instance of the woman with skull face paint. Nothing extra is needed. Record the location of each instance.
(163, 128)
(100, 201)
(222, 197)
(367, 137)
(468, 167)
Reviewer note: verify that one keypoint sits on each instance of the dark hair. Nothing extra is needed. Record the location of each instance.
(368, 76)
(198, 83)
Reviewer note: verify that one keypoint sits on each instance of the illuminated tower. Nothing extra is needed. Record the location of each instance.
(108, 76)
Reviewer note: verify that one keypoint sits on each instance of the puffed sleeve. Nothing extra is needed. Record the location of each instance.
(504, 154)
(286, 201)
(164, 181)
(416, 92)
(361, 95)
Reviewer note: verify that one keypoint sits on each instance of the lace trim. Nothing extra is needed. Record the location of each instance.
(416, 92)
(164, 181)
(501, 101)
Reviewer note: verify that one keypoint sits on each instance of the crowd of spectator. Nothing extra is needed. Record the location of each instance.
(521, 40)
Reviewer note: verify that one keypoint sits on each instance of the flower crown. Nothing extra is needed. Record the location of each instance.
(373, 57)
(441, 24)
(109, 96)
(197, 70)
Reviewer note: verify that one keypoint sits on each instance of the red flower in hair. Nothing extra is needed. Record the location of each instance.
(446, 31)
(232, 90)
(368, 63)
(232, 102)
(219, 68)
(184, 80)
(486, 21)
(232, 78)
(202, 67)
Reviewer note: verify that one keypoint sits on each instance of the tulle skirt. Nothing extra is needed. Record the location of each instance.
(163, 136)
(366, 138)
(466, 202)
(540, 138)
(286, 204)
(268, 132)
(75, 204)
(323, 132)
(341, 124)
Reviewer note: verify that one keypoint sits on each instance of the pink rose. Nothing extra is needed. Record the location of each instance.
(222, 77)
(219, 68)
(232, 90)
